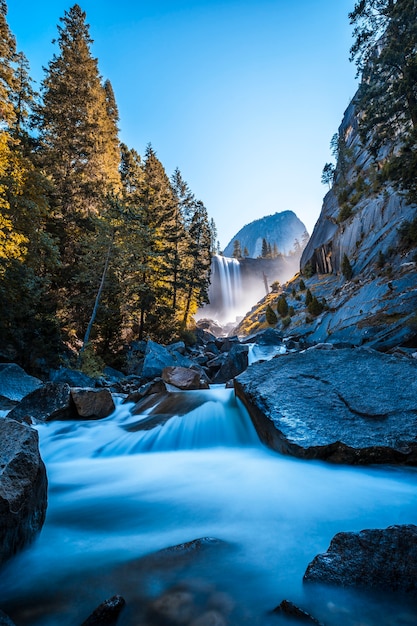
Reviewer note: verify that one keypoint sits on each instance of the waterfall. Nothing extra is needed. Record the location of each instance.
(226, 293)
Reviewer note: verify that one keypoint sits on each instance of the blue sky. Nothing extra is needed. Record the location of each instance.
(243, 96)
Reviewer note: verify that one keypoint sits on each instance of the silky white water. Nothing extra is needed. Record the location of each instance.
(117, 493)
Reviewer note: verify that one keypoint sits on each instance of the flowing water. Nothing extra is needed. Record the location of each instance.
(118, 494)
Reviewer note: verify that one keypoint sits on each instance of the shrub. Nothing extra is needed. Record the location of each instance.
(282, 306)
(271, 318)
(291, 311)
(315, 307)
(286, 321)
(308, 270)
(309, 297)
(302, 285)
(346, 267)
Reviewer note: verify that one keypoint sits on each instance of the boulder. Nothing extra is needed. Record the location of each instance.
(235, 363)
(23, 487)
(157, 357)
(155, 386)
(50, 402)
(267, 337)
(353, 406)
(15, 384)
(384, 559)
(92, 403)
(181, 377)
(291, 610)
(107, 613)
(73, 378)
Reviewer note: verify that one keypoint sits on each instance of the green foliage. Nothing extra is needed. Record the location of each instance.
(315, 307)
(271, 318)
(408, 234)
(282, 306)
(237, 251)
(387, 97)
(327, 175)
(344, 213)
(346, 267)
(309, 297)
(301, 285)
(286, 321)
(291, 311)
(308, 270)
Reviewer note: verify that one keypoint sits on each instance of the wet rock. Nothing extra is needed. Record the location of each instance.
(345, 406)
(235, 363)
(93, 403)
(383, 559)
(50, 402)
(291, 610)
(73, 378)
(155, 386)
(107, 613)
(15, 384)
(23, 487)
(181, 377)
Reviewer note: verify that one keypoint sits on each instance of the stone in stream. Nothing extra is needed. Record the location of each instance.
(354, 406)
(23, 487)
(235, 363)
(384, 559)
(107, 613)
(93, 403)
(181, 377)
(291, 610)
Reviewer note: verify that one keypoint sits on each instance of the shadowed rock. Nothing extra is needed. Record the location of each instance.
(291, 610)
(52, 401)
(346, 406)
(23, 487)
(107, 613)
(15, 384)
(383, 559)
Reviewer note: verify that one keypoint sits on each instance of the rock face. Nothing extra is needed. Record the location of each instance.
(345, 406)
(15, 384)
(383, 559)
(23, 487)
(283, 229)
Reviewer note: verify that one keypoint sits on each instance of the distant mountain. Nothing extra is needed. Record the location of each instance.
(282, 229)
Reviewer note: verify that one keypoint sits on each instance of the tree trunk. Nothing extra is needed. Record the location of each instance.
(97, 301)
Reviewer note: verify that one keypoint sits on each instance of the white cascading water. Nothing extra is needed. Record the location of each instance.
(118, 493)
(226, 291)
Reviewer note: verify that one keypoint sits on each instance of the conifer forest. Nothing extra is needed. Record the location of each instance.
(98, 246)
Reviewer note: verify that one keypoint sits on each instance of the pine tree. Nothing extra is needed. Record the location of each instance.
(264, 252)
(385, 49)
(346, 267)
(309, 297)
(282, 306)
(270, 315)
(237, 252)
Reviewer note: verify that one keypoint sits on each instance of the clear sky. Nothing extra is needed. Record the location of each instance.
(242, 95)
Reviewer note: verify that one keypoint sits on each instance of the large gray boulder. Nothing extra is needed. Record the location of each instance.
(235, 362)
(23, 487)
(383, 559)
(50, 402)
(15, 384)
(353, 406)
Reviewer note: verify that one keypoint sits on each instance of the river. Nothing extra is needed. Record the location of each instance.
(118, 494)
